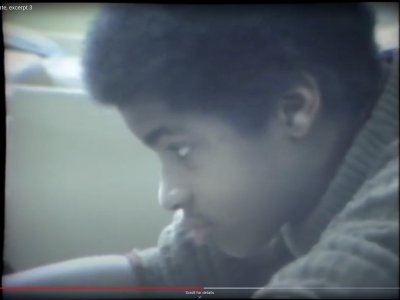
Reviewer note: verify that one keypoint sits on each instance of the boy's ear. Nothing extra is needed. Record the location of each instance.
(299, 107)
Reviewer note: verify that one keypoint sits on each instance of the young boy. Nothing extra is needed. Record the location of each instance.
(276, 127)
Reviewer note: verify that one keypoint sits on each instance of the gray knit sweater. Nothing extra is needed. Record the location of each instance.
(348, 247)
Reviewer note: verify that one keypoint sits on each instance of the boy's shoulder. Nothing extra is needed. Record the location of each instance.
(357, 254)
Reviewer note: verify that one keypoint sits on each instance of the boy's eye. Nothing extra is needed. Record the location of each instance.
(184, 151)
(180, 151)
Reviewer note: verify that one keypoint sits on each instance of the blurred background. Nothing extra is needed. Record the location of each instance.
(77, 182)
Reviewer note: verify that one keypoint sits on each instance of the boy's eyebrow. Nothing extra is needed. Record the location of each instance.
(153, 137)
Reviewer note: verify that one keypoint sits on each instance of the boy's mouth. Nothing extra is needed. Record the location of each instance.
(197, 229)
(199, 234)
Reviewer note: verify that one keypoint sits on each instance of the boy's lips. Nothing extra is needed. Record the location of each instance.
(199, 235)
(197, 229)
(191, 224)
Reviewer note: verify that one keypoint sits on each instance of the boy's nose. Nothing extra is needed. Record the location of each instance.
(173, 197)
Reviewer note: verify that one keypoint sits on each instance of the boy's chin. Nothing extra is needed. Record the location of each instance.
(238, 248)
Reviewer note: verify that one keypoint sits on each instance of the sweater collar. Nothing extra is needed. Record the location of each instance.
(378, 131)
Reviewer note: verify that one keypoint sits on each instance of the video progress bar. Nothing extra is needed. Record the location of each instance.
(298, 288)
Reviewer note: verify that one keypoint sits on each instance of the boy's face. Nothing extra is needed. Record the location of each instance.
(231, 188)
